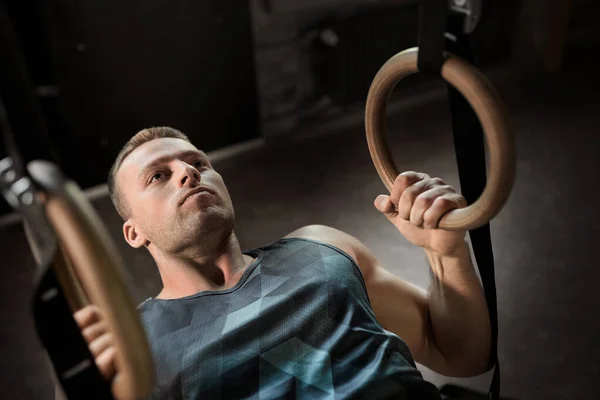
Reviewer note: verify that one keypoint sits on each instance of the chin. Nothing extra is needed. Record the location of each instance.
(214, 224)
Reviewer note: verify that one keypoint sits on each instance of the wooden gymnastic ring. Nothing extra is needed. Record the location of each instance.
(492, 114)
(97, 265)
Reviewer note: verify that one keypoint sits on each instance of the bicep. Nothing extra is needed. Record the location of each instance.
(403, 308)
(399, 306)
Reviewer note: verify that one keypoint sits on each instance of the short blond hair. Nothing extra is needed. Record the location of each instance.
(143, 136)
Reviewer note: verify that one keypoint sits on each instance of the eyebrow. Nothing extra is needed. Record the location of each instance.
(164, 159)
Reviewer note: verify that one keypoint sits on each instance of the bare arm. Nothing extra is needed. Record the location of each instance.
(449, 329)
(460, 331)
(446, 327)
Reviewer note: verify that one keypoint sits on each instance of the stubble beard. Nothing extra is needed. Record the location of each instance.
(194, 235)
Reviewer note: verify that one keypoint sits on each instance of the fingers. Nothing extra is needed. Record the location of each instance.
(104, 354)
(95, 332)
(419, 199)
(93, 328)
(87, 316)
(410, 194)
(106, 363)
(424, 200)
(97, 346)
(430, 206)
(403, 181)
(385, 206)
(440, 206)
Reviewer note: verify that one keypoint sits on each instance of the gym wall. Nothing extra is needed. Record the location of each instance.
(316, 59)
(117, 67)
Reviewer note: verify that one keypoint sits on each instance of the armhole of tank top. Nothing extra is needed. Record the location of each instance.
(342, 252)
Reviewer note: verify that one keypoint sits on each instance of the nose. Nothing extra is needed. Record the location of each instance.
(189, 176)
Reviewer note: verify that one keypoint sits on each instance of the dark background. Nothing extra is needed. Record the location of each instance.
(117, 67)
(292, 76)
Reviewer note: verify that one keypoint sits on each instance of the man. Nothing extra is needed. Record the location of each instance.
(313, 315)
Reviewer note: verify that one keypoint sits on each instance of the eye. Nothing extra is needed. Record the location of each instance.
(156, 177)
(200, 164)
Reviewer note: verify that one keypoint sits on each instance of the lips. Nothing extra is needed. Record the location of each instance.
(193, 192)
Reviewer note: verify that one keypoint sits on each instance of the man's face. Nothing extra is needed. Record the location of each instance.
(177, 201)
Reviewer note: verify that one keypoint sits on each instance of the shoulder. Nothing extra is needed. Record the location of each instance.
(326, 234)
(342, 240)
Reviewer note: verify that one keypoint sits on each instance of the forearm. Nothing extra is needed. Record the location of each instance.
(459, 319)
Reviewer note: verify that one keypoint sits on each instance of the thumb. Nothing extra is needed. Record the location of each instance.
(384, 205)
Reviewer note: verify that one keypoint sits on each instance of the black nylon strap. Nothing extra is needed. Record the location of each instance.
(470, 157)
(433, 17)
(435, 21)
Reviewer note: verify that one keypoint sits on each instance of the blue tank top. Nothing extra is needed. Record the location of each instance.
(298, 324)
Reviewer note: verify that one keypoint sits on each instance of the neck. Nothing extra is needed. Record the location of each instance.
(184, 276)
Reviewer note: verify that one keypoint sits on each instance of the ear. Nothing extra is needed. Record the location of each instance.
(132, 235)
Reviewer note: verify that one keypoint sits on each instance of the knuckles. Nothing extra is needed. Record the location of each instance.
(444, 202)
(450, 202)
(413, 195)
(413, 175)
(409, 196)
(408, 178)
(402, 181)
(448, 188)
(437, 182)
(424, 201)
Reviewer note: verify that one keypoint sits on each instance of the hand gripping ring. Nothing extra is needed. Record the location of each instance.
(490, 110)
(98, 267)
